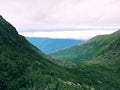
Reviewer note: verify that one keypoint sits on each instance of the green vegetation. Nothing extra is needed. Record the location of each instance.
(87, 50)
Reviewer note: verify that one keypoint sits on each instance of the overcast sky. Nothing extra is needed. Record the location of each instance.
(53, 18)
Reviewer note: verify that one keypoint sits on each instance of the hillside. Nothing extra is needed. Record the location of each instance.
(99, 61)
(103, 71)
(87, 50)
(24, 67)
(49, 45)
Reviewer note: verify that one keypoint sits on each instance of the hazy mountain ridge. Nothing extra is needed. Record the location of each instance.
(49, 44)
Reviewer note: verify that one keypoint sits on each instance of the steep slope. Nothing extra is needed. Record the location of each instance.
(24, 67)
(86, 50)
(49, 45)
(103, 72)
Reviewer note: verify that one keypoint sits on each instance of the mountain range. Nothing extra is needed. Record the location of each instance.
(48, 45)
(25, 67)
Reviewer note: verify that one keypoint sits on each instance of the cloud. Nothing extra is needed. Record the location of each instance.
(50, 15)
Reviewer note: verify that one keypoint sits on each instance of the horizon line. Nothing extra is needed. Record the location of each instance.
(60, 30)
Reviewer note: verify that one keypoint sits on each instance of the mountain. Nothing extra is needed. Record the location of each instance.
(49, 45)
(98, 61)
(87, 50)
(24, 67)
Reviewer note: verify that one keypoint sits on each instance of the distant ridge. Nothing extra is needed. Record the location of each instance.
(48, 45)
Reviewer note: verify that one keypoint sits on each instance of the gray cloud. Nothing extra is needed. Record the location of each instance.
(36, 15)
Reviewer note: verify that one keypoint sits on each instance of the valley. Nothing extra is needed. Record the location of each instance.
(24, 67)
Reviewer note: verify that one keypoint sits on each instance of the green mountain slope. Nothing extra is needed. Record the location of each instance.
(87, 50)
(24, 67)
(99, 61)
(103, 72)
